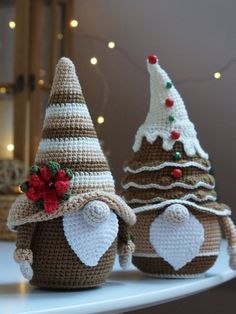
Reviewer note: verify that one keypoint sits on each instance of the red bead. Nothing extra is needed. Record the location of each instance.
(152, 59)
(176, 173)
(169, 102)
(175, 135)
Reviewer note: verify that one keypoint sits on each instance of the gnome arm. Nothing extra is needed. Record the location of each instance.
(230, 233)
(23, 252)
(126, 246)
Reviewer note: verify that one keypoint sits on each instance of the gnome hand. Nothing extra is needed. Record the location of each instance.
(24, 257)
(125, 254)
(26, 270)
(96, 212)
(232, 257)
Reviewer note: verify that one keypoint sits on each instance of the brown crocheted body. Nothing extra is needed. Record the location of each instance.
(157, 265)
(55, 265)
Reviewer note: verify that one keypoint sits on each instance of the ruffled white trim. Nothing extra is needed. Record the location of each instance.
(192, 197)
(167, 164)
(170, 186)
(225, 212)
(190, 142)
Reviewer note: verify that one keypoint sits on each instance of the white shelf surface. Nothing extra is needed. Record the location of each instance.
(124, 291)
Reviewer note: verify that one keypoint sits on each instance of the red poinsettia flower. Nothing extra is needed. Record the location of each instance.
(48, 185)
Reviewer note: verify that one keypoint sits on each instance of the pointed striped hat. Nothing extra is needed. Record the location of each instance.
(69, 140)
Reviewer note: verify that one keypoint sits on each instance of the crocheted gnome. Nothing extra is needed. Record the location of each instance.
(169, 186)
(67, 221)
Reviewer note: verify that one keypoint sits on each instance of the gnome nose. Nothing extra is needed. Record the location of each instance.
(176, 214)
(96, 212)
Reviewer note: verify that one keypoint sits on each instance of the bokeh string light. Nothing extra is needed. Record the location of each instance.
(110, 44)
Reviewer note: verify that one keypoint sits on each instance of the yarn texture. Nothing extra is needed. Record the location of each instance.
(169, 185)
(67, 220)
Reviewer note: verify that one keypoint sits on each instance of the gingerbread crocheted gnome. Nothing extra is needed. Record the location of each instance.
(169, 186)
(68, 220)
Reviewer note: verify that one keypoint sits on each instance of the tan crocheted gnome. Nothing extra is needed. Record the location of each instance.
(168, 184)
(68, 220)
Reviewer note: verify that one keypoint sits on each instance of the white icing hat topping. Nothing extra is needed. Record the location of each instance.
(167, 117)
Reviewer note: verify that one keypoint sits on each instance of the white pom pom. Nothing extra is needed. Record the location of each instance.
(96, 212)
(176, 214)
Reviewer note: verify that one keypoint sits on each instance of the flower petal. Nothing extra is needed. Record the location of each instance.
(34, 194)
(61, 176)
(51, 201)
(45, 174)
(61, 187)
(36, 182)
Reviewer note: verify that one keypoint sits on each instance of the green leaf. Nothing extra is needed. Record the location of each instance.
(40, 204)
(69, 173)
(53, 167)
(66, 196)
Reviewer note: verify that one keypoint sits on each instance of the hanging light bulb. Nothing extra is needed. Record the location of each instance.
(41, 82)
(111, 45)
(60, 36)
(93, 61)
(10, 147)
(12, 24)
(3, 90)
(217, 75)
(100, 119)
(74, 23)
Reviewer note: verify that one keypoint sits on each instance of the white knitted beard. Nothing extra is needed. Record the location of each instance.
(178, 244)
(89, 243)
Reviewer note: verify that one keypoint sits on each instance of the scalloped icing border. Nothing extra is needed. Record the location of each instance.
(225, 212)
(191, 144)
(167, 164)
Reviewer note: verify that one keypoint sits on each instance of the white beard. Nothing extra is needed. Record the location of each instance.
(88, 242)
(179, 244)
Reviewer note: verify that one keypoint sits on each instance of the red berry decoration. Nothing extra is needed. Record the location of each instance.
(152, 59)
(175, 135)
(177, 173)
(169, 102)
(48, 186)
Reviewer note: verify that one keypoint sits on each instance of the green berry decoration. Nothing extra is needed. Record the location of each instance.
(24, 187)
(34, 169)
(171, 118)
(168, 85)
(177, 155)
(53, 167)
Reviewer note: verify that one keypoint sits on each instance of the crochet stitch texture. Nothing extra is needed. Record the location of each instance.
(54, 242)
(168, 177)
